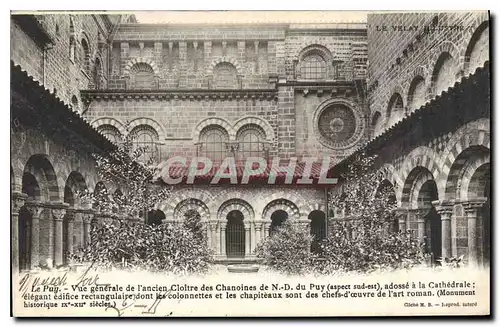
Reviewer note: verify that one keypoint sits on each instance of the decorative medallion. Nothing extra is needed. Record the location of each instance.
(338, 124)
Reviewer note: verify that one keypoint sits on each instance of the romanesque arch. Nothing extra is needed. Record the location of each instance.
(137, 61)
(236, 204)
(225, 59)
(103, 121)
(284, 205)
(191, 204)
(41, 168)
(215, 122)
(446, 68)
(266, 127)
(157, 127)
(477, 51)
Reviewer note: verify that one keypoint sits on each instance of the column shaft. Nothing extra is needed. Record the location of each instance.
(247, 241)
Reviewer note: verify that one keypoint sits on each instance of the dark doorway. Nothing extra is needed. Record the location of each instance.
(318, 229)
(235, 235)
(24, 224)
(277, 219)
(433, 241)
(155, 217)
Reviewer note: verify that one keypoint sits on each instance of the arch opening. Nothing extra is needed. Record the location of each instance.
(277, 219)
(235, 234)
(318, 229)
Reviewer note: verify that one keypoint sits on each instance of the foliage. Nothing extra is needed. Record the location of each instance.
(287, 250)
(165, 247)
(180, 247)
(369, 238)
(129, 167)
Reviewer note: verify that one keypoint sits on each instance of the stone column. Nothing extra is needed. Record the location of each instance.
(70, 216)
(58, 212)
(445, 210)
(36, 210)
(258, 234)
(252, 236)
(471, 209)
(305, 223)
(87, 220)
(78, 228)
(402, 215)
(182, 73)
(213, 235)
(419, 218)
(267, 227)
(247, 239)
(223, 238)
(17, 202)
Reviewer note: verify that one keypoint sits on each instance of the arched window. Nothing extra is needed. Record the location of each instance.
(97, 76)
(213, 141)
(313, 66)
(225, 76)
(85, 56)
(416, 93)
(250, 141)
(377, 123)
(394, 109)
(72, 43)
(145, 141)
(444, 73)
(110, 132)
(74, 103)
(142, 76)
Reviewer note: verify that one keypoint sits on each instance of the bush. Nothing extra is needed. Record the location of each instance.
(369, 250)
(287, 250)
(165, 247)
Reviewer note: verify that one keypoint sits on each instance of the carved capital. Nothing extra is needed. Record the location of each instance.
(58, 213)
(471, 206)
(258, 225)
(213, 225)
(87, 217)
(443, 208)
(18, 200)
(35, 209)
(401, 214)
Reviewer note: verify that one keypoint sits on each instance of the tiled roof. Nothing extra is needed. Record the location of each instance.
(50, 104)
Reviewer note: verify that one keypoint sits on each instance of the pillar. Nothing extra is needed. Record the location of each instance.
(305, 223)
(182, 73)
(70, 216)
(87, 220)
(252, 236)
(247, 239)
(35, 210)
(218, 238)
(445, 210)
(58, 212)
(212, 225)
(267, 226)
(17, 202)
(419, 215)
(78, 229)
(402, 215)
(258, 234)
(471, 209)
(223, 238)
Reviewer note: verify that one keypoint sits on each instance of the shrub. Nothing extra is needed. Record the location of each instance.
(165, 247)
(287, 250)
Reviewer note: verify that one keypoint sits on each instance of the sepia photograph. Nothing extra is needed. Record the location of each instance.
(250, 163)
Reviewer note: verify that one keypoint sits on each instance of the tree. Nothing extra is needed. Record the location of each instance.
(287, 250)
(125, 166)
(132, 243)
(365, 240)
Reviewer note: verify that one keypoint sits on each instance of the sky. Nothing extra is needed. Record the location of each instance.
(242, 17)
